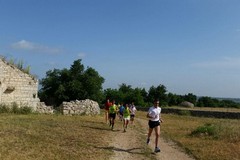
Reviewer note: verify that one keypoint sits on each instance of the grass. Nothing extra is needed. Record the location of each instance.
(52, 137)
(205, 138)
(35, 136)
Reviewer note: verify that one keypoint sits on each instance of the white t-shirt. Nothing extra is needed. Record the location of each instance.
(155, 113)
(133, 110)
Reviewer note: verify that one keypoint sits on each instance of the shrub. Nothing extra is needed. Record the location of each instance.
(15, 109)
(206, 130)
(4, 109)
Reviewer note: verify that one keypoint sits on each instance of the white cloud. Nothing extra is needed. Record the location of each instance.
(223, 63)
(81, 55)
(34, 47)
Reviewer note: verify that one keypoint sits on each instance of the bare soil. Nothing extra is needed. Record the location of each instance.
(132, 144)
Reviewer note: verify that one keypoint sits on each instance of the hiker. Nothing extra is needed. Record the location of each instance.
(132, 112)
(154, 115)
(126, 117)
(112, 114)
(107, 105)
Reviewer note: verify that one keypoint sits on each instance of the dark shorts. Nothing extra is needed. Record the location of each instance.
(112, 115)
(153, 124)
(132, 116)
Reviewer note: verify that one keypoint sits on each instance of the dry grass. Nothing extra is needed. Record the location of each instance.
(84, 137)
(53, 137)
(223, 145)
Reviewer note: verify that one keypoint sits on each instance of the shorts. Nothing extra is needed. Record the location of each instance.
(126, 118)
(112, 115)
(153, 124)
(132, 116)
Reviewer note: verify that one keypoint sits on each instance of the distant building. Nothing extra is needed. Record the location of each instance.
(17, 87)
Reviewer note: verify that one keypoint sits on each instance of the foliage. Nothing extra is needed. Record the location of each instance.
(15, 109)
(78, 83)
(220, 130)
(20, 65)
(206, 130)
(213, 102)
(71, 84)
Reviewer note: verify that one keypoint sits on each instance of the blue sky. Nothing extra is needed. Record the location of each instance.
(189, 46)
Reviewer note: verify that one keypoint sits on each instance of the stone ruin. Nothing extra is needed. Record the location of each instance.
(20, 88)
(80, 107)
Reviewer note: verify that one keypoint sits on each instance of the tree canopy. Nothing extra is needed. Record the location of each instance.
(71, 84)
(78, 83)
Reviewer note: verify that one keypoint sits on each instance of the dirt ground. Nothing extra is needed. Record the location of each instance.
(132, 144)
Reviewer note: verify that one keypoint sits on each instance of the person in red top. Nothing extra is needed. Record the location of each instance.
(107, 105)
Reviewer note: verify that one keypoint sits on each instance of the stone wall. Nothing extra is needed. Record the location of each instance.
(198, 113)
(80, 107)
(17, 87)
(43, 108)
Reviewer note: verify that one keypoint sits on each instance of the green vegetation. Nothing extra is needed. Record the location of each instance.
(206, 130)
(78, 83)
(14, 109)
(71, 84)
(19, 64)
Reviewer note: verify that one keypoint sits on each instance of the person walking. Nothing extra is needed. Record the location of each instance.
(112, 114)
(154, 115)
(126, 117)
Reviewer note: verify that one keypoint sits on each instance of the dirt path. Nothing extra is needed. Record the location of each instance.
(132, 145)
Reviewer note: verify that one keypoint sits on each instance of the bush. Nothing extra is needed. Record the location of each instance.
(4, 109)
(15, 109)
(206, 130)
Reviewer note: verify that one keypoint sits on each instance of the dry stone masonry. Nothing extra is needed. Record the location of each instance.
(19, 87)
(80, 107)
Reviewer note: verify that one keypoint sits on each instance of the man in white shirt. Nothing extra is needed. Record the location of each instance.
(153, 114)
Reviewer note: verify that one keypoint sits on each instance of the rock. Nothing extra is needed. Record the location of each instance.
(186, 104)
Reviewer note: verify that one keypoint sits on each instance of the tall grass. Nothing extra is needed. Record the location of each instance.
(15, 109)
(205, 138)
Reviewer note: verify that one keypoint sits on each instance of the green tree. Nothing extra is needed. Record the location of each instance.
(191, 98)
(72, 84)
(158, 92)
(174, 99)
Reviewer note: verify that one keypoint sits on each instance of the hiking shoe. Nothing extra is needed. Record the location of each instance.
(148, 140)
(157, 149)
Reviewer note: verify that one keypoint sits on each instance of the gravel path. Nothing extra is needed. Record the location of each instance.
(132, 145)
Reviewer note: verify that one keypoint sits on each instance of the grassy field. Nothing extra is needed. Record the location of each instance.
(52, 137)
(204, 138)
(81, 137)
